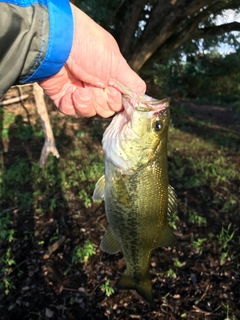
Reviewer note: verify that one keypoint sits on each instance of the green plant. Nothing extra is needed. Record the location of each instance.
(6, 263)
(223, 258)
(6, 233)
(178, 263)
(107, 288)
(225, 236)
(171, 274)
(194, 217)
(173, 220)
(228, 310)
(198, 244)
(85, 196)
(82, 254)
(164, 298)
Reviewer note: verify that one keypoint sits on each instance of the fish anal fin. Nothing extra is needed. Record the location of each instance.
(109, 242)
(143, 287)
(167, 238)
(98, 193)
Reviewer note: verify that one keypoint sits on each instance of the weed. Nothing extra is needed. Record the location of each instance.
(231, 203)
(195, 218)
(225, 236)
(7, 284)
(173, 220)
(198, 244)
(223, 258)
(55, 236)
(228, 310)
(171, 274)
(6, 233)
(107, 288)
(6, 263)
(85, 197)
(82, 254)
(164, 298)
(178, 263)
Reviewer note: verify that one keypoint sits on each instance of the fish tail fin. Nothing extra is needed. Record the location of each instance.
(143, 287)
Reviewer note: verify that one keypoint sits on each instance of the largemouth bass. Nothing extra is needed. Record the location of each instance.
(135, 187)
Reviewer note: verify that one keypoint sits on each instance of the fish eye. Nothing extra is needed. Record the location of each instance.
(157, 125)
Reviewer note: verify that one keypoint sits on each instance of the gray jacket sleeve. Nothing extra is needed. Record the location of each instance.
(31, 37)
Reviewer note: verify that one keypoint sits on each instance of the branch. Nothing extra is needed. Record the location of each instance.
(167, 15)
(176, 41)
(172, 25)
(217, 30)
(167, 18)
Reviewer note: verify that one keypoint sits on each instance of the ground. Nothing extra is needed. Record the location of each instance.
(51, 266)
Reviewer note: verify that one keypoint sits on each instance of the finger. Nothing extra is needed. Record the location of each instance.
(101, 102)
(84, 102)
(125, 77)
(114, 99)
(65, 105)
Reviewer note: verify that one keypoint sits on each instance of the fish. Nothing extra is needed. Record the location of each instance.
(135, 188)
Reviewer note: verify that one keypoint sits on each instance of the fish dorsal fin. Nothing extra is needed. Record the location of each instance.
(98, 193)
(109, 242)
(172, 200)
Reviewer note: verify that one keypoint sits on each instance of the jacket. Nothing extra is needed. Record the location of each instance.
(35, 40)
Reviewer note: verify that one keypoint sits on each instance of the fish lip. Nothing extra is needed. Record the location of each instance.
(157, 105)
(144, 103)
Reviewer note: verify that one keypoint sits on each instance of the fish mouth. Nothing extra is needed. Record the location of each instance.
(149, 104)
(144, 103)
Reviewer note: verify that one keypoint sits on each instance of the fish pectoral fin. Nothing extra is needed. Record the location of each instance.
(109, 242)
(143, 287)
(167, 239)
(98, 193)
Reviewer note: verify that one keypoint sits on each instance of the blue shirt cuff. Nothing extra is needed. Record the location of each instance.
(59, 41)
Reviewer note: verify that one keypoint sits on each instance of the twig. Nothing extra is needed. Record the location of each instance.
(49, 143)
(198, 310)
(204, 293)
(54, 247)
(14, 100)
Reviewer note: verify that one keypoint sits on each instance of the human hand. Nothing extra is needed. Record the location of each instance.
(95, 74)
